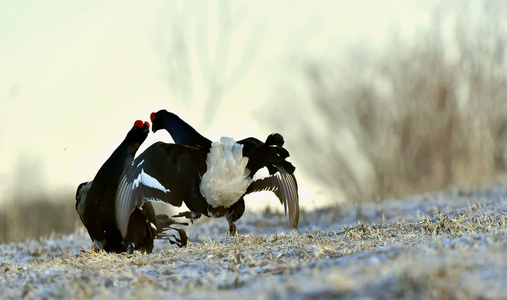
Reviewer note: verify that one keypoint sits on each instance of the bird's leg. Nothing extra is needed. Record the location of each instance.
(189, 215)
(98, 245)
(235, 212)
(130, 249)
(232, 227)
(150, 219)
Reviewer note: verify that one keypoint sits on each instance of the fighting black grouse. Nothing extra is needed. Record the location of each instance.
(95, 203)
(210, 178)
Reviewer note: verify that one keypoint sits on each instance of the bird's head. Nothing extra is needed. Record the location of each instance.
(139, 132)
(145, 126)
(181, 132)
(158, 119)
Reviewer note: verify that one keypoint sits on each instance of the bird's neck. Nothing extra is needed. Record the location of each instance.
(127, 148)
(184, 134)
(121, 158)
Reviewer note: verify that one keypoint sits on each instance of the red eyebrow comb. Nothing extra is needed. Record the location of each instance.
(139, 124)
(147, 124)
(152, 116)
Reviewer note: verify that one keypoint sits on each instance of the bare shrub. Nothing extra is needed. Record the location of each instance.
(424, 115)
(33, 218)
(32, 208)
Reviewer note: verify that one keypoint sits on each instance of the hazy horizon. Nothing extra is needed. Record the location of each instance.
(75, 76)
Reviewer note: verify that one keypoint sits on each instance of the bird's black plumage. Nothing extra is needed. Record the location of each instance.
(163, 172)
(95, 202)
(181, 132)
(173, 173)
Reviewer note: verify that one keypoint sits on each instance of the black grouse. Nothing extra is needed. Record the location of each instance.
(95, 203)
(210, 178)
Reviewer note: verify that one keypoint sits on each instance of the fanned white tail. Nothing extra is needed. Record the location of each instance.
(226, 178)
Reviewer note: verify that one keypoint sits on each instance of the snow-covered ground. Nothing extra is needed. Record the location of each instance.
(436, 245)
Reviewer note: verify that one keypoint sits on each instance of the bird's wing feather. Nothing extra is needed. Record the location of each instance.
(284, 186)
(163, 173)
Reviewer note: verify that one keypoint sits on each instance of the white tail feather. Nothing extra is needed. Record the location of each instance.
(226, 178)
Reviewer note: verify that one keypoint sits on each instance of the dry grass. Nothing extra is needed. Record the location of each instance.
(435, 246)
(414, 120)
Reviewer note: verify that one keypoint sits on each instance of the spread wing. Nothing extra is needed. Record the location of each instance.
(284, 186)
(163, 172)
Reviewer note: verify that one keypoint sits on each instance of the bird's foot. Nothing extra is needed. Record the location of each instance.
(180, 242)
(130, 248)
(163, 221)
(189, 215)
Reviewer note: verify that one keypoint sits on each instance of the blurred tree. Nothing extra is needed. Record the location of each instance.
(425, 115)
(200, 38)
(30, 212)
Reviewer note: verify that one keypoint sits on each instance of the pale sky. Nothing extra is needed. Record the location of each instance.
(75, 75)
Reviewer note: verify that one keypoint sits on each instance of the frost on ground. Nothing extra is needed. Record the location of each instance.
(438, 246)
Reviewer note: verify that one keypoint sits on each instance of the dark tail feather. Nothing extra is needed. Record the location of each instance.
(286, 166)
(280, 151)
(271, 155)
(275, 139)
